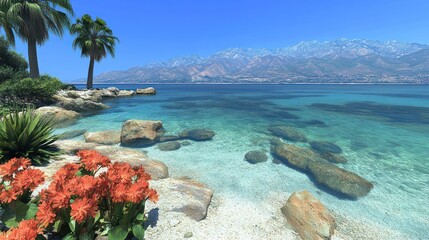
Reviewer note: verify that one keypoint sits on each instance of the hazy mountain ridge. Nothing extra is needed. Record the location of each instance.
(339, 61)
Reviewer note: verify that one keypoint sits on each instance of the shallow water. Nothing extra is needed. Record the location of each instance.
(382, 130)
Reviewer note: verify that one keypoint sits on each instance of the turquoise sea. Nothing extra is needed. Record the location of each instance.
(383, 131)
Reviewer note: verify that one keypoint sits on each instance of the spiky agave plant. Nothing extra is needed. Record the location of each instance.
(26, 134)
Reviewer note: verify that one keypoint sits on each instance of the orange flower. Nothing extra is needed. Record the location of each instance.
(45, 214)
(137, 191)
(93, 160)
(83, 208)
(59, 200)
(120, 173)
(152, 195)
(88, 186)
(118, 192)
(8, 169)
(28, 179)
(26, 230)
(7, 196)
(67, 172)
(141, 173)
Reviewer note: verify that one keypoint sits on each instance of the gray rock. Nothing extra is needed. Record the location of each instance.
(72, 146)
(140, 131)
(254, 157)
(80, 104)
(157, 169)
(198, 134)
(59, 116)
(104, 137)
(182, 196)
(169, 146)
(340, 180)
(146, 91)
(188, 235)
(294, 156)
(288, 133)
(325, 147)
(324, 173)
(185, 143)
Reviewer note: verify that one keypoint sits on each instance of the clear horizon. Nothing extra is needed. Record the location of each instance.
(151, 32)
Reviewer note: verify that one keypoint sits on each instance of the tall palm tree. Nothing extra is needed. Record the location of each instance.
(32, 21)
(95, 39)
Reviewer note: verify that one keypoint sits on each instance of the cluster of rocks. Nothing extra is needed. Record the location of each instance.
(71, 104)
(144, 133)
(317, 162)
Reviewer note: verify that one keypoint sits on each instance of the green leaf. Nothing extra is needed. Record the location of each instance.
(138, 231)
(118, 233)
(69, 237)
(86, 236)
(31, 212)
(9, 217)
(140, 217)
(72, 225)
(18, 211)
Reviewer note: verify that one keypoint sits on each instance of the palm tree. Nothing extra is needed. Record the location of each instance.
(32, 21)
(95, 39)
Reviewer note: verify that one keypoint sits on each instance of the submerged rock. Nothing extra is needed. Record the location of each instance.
(185, 143)
(325, 147)
(313, 123)
(324, 173)
(140, 132)
(72, 134)
(297, 157)
(59, 116)
(169, 138)
(198, 134)
(146, 91)
(190, 198)
(169, 146)
(333, 158)
(104, 137)
(308, 216)
(254, 157)
(340, 180)
(288, 133)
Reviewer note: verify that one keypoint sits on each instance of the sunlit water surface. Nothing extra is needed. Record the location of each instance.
(382, 130)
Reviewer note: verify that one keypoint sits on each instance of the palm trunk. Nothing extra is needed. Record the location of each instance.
(90, 80)
(32, 59)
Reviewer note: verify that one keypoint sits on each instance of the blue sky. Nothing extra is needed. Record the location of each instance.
(157, 30)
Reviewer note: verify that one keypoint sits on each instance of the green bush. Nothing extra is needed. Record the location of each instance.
(30, 92)
(12, 64)
(25, 134)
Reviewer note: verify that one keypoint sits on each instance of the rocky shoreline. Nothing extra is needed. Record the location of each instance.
(187, 208)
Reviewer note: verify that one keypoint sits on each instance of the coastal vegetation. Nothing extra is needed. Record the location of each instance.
(25, 134)
(95, 39)
(33, 22)
(109, 202)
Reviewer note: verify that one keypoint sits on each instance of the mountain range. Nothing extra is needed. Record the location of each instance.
(339, 61)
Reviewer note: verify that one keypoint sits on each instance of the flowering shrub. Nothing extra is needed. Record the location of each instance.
(96, 197)
(26, 230)
(17, 182)
(85, 199)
